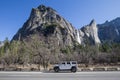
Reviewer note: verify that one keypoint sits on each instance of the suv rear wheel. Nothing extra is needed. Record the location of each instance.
(56, 69)
(73, 69)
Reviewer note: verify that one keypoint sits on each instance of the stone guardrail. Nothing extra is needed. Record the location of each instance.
(79, 69)
(100, 69)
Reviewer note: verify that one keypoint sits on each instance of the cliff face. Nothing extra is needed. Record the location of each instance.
(51, 27)
(97, 34)
(89, 34)
(110, 31)
(46, 22)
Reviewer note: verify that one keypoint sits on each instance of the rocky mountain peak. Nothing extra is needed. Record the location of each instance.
(42, 7)
(90, 33)
(106, 21)
(110, 31)
(92, 23)
(46, 22)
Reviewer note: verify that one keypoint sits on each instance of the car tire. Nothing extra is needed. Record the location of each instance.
(56, 69)
(73, 69)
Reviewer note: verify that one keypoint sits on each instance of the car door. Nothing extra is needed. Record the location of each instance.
(62, 65)
(68, 65)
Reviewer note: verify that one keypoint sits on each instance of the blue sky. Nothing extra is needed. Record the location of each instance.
(13, 13)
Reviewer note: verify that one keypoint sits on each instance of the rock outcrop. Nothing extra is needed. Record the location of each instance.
(110, 31)
(46, 22)
(89, 34)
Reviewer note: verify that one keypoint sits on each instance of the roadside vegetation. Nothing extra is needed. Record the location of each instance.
(37, 52)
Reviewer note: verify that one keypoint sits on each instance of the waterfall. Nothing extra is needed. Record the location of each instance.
(78, 37)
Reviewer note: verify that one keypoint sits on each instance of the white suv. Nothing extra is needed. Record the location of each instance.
(66, 65)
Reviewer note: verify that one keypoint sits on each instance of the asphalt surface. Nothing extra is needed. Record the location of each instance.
(60, 76)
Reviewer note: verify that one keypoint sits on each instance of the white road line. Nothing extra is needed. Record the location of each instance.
(20, 72)
(19, 75)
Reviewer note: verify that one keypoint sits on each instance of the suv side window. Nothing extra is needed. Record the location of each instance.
(63, 63)
(74, 63)
(68, 63)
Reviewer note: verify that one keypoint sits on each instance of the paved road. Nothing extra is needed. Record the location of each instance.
(60, 76)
